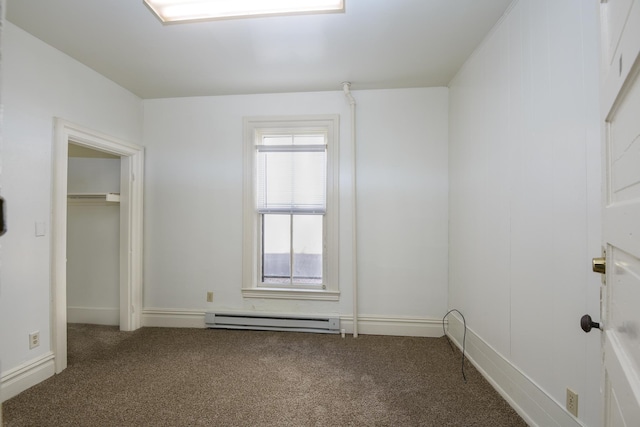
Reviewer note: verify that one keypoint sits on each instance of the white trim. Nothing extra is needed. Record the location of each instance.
(131, 221)
(172, 318)
(528, 399)
(329, 124)
(367, 324)
(300, 294)
(24, 376)
(404, 326)
(94, 315)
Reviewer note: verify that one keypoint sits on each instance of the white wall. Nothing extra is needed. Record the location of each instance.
(525, 194)
(193, 204)
(93, 175)
(38, 84)
(93, 243)
(402, 201)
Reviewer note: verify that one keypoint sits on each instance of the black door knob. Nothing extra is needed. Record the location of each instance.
(587, 324)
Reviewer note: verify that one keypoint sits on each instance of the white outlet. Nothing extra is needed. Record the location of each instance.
(572, 402)
(209, 296)
(34, 339)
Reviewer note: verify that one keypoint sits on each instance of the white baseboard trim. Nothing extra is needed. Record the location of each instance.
(367, 325)
(172, 318)
(20, 378)
(531, 402)
(94, 315)
(394, 325)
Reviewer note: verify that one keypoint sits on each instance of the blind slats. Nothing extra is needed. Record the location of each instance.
(291, 179)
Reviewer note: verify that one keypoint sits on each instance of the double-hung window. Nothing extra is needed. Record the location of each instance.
(291, 207)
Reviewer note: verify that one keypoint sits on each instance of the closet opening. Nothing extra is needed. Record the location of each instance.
(93, 237)
(90, 170)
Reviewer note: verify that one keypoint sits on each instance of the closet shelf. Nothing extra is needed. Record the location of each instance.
(99, 197)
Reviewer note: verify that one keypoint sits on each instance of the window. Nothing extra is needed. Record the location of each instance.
(291, 208)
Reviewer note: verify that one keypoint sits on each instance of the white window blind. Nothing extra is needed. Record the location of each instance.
(291, 178)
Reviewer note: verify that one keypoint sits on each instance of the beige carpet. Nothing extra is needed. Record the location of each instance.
(203, 377)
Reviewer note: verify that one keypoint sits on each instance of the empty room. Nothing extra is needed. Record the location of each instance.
(320, 213)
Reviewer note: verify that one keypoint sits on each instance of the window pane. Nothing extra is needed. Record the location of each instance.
(309, 139)
(277, 140)
(292, 181)
(302, 139)
(276, 249)
(307, 248)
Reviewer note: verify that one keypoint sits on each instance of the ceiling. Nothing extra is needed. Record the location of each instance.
(375, 44)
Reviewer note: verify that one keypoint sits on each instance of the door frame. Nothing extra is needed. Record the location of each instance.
(131, 229)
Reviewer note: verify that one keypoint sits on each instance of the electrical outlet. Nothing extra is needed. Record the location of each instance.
(572, 402)
(34, 339)
(209, 296)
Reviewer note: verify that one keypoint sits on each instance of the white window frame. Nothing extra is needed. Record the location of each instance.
(251, 287)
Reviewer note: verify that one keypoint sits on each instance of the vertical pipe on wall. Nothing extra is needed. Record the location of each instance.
(2, 9)
(346, 87)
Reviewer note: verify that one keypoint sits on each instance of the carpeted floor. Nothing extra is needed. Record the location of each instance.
(201, 377)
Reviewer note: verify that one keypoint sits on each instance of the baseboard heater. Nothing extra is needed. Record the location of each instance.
(272, 322)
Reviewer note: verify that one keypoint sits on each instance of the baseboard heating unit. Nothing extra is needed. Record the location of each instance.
(273, 322)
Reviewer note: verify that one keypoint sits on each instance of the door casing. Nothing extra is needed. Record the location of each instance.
(131, 229)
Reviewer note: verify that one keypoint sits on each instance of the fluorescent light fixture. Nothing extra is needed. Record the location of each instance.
(199, 10)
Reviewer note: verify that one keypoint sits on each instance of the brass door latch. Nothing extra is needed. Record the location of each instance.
(599, 265)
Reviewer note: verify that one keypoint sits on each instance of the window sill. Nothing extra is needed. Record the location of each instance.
(299, 294)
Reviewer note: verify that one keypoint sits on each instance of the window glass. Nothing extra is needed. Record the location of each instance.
(277, 140)
(284, 233)
(307, 248)
(276, 249)
(309, 140)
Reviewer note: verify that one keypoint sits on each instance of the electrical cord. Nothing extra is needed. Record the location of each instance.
(464, 337)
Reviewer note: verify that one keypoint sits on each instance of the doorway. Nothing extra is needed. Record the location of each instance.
(131, 231)
(93, 237)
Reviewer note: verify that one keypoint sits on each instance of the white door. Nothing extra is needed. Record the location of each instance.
(620, 98)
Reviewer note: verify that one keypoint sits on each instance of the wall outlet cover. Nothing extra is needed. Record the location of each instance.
(34, 339)
(572, 402)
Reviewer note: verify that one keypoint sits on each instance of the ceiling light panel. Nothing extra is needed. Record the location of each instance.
(199, 10)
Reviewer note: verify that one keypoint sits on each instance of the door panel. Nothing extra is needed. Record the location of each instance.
(624, 313)
(621, 389)
(620, 24)
(620, 35)
(622, 168)
(624, 147)
(614, 21)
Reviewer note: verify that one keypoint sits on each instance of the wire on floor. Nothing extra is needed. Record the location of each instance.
(464, 337)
